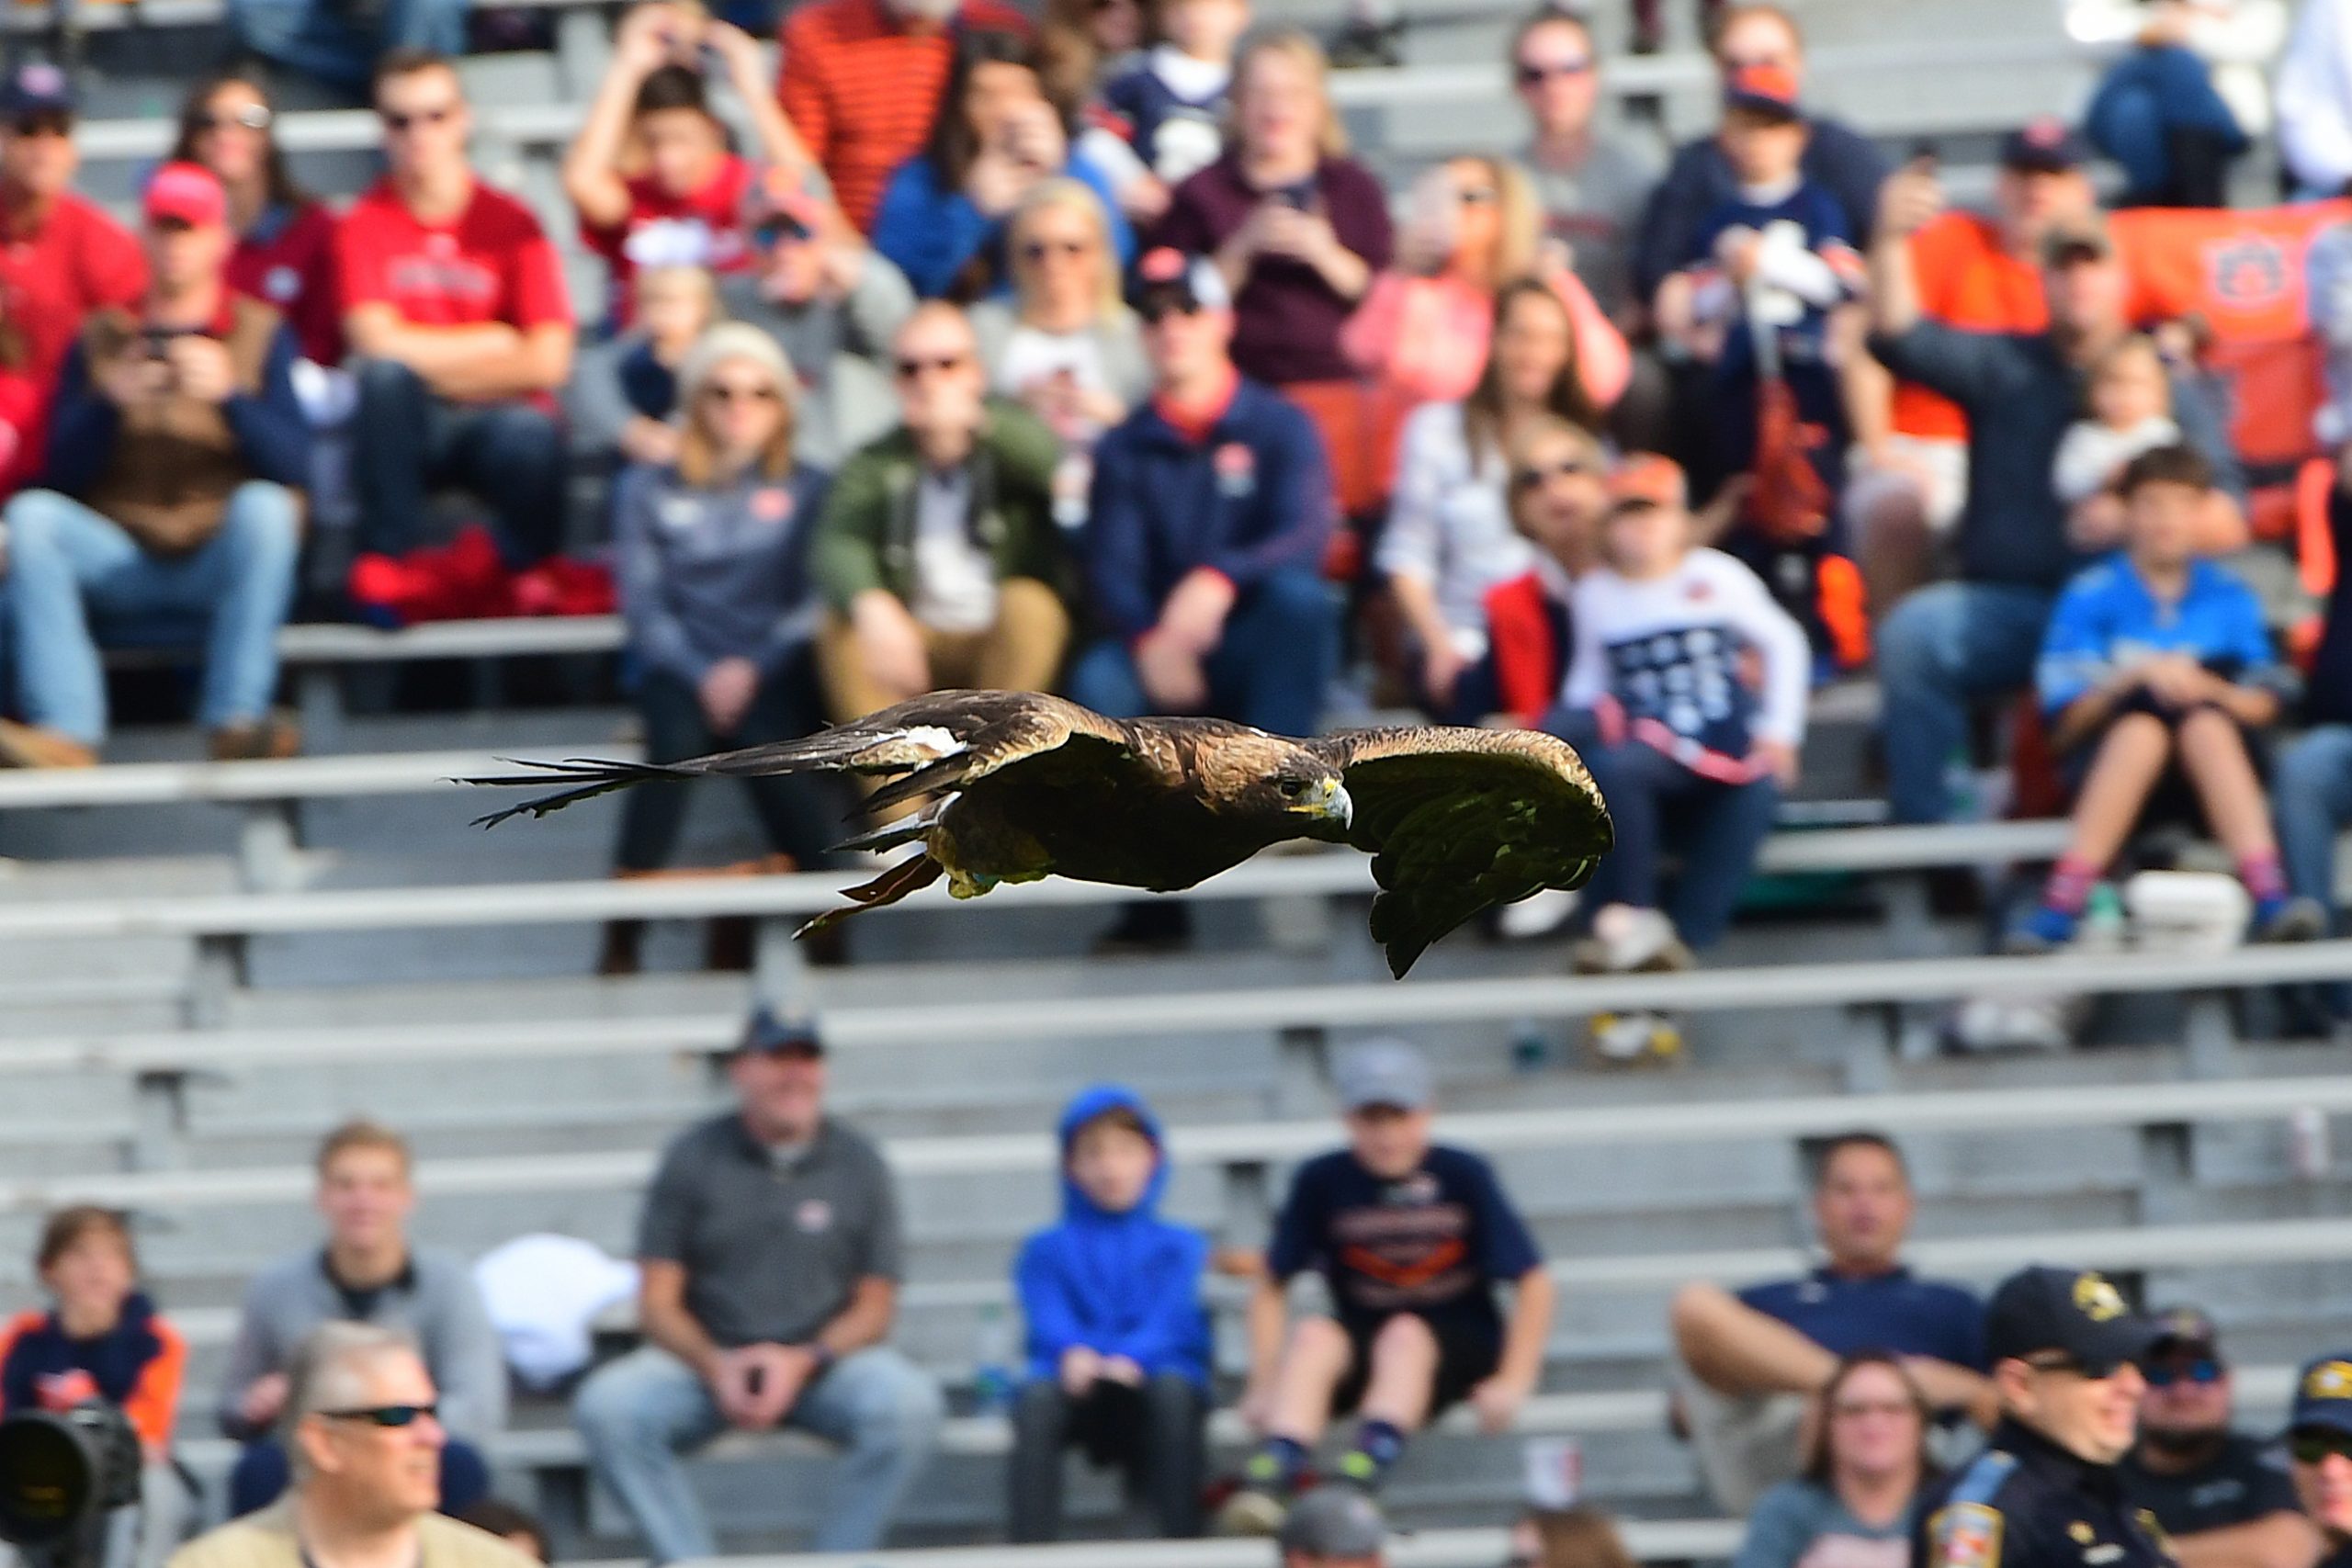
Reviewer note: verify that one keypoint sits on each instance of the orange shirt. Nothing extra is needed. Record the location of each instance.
(1965, 279)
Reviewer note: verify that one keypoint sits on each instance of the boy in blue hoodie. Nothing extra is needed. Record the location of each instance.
(1118, 1342)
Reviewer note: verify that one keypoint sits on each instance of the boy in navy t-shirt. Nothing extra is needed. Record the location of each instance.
(1412, 1239)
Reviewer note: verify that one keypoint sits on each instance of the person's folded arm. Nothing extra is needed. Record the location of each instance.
(375, 330)
(663, 1318)
(866, 1320)
(1050, 1312)
(540, 363)
(2278, 1539)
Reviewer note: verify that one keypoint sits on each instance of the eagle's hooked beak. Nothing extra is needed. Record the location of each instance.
(1328, 801)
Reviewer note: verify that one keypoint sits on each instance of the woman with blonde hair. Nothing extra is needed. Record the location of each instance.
(711, 552)
(1422, 328)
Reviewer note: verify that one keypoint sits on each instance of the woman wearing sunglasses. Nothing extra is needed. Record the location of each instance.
(1449, 537)
(1864, 1466)
(712, 563)
(284, 255)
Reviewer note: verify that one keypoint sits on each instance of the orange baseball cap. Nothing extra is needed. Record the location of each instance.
(1646, 478)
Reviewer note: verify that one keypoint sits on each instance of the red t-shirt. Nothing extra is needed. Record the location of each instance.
(75, 260)
(715, 212)
(1966, 279)
(287, 261)
(494, 263)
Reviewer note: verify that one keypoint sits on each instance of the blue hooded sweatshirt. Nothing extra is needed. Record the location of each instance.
(1124, 1284)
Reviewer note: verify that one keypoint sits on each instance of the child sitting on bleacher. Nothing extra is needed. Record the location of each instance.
(2130, 412)
(1119, 1344)
(2154, 661)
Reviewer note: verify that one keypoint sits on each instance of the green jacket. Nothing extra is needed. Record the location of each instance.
(865, 537)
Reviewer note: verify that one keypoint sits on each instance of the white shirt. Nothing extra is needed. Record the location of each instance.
(955, 578)
(1709, 592)
(1449, 524)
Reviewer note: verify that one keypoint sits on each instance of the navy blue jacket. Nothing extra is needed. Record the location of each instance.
(273, 437)
(1252, 498)
(1837, 158)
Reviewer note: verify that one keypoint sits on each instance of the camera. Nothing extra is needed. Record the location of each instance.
(61, 1472)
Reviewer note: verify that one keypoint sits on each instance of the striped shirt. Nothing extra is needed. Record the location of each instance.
(861, 89)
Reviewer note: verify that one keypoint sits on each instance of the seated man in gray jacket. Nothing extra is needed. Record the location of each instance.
(368, 1272)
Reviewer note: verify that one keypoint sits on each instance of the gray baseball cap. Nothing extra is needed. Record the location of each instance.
(1334, 1521)
(1383, 1072)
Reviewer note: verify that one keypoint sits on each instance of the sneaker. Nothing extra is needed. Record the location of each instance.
(2289, 919)
(1538, 915)
(2040, 930)
(31, 746)
(1625, 1038)
(1252, 1510)
(1626, 940)
(272, 739)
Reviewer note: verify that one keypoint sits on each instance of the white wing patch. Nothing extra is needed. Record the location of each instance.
(934, 738)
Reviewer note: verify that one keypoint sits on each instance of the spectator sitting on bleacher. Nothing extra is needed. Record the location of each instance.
(2155, 659)
(64, 257)
(1412, 1240)
(284, 255)
(2158, 114)
(997, 135)
(1590, 182)
(2128, 411)
(937, 554)
(712, 563)
(833, 304)
(1423, 330)
(1169, 108)
(2312, 786)
(1840, 160)
(1065, 344)
(1908, 471)
(1334, 1527)
(2223, 1498)
(362, 1409)
(102, 1338)
(772, 1255)
(860, 81)
(622, 399)
(1119, 1344)
(342, 46)
(1976, 638)
(176, 449)
(1687, 688)
(651, 173)
(1747, 1363)
(1449, 539)
(1559, 491)
(453, 302)
(1865, 1461)
(2319, 1446)
(368, 1272)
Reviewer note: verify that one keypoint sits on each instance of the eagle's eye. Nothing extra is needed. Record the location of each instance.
(1292, 788)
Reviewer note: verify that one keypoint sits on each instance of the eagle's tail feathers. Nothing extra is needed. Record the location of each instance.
(907, 877)
(588, 777)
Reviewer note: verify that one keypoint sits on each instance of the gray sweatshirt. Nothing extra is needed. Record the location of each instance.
(434, 1301)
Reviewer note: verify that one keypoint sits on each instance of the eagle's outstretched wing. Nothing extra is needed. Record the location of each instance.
(932, 744)
(1458, 820)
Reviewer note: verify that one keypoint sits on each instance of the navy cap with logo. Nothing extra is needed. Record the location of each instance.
(33, 88)
(2324, 1396)
(2184, 1329)
(2047, 145)
(770, 1033)
(2075, 1313)
(1334, 1521)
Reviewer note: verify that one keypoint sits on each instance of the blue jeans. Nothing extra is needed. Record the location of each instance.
(2147, 101)
(337, 42)
(262, 1473)
(2310, 796)
(1717, 825)
(1944, 647)
(68, 565)
(407, 443)
(638, 1414)
(1269, 670)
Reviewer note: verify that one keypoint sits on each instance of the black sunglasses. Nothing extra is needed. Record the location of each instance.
(1159, 308)
(1529, 479)
(1534, 74)
(943, 363)
(2163, 1374)
(387, 1414)
(2315, 1446)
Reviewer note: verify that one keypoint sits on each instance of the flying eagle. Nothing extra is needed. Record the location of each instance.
(1017, 786)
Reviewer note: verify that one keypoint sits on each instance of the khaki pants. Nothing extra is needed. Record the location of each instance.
(1744, 1444)
(1020, 652)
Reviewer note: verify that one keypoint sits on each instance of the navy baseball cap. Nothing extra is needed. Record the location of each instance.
(35, 87)
(2324, 1395)
(2075, 1312)
(769, 1033)
(2184, 1329)
(2047, 145)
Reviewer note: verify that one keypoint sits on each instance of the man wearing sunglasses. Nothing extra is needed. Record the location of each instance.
(1590, 182)
(362, 1421)
(64, 256)
(2225, 1498)
(2045, 1492)
(2319, 1448)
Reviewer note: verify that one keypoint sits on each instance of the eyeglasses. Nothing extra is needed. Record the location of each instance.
(911, 368)
(250, 117)
(1535, 73)
(1531, 478)
(401, 124)
(1157, 309)
(2096, 1371)
(2163, 1374)
(722, 392)
(1035, 251)
(2317, 1447)
(387, 1414)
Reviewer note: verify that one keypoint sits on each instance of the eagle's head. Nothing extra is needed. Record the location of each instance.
(1309, 793)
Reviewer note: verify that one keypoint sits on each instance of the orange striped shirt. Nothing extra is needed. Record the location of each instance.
(861, 88)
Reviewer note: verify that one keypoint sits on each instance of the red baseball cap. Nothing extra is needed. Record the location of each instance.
(185, 193)
(1644, 479)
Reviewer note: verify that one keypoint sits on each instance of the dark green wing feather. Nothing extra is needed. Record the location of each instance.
(1460, 820)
